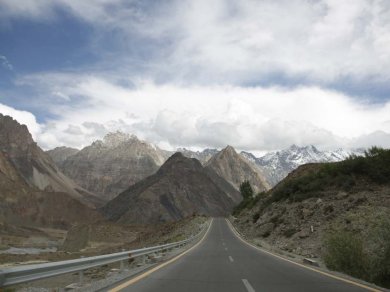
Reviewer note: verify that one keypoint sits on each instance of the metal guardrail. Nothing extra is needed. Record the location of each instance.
(27, 273)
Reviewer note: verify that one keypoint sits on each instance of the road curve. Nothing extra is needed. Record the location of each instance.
(223, 262)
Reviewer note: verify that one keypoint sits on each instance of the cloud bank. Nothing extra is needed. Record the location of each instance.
(249, 118)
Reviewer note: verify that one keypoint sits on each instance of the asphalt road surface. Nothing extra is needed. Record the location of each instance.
(223, 262)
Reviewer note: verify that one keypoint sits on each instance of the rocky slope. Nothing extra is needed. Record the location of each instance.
(316, 200)
(180, 188)
(277, 165)
(110, 166)
(60, 154)
(34, 166)
(32, 191)
(235, 169)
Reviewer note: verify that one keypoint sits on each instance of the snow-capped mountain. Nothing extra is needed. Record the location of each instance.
(277, 165)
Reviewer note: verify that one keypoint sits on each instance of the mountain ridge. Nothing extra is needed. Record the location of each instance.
(235, 169)
(34, 165)
(180, 188)
(277, 165)
(32, 190)
(109, 166)
(131, 164)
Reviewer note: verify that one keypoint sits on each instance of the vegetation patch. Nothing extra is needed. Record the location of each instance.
(364, 257)
(249, 198)
(255, 217)
(373, 167)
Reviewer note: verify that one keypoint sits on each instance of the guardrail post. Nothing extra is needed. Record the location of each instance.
(81, 275)
(144, 258)
(122, 264)
(2, 278)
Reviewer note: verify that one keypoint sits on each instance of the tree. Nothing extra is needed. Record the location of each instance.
(246, 190)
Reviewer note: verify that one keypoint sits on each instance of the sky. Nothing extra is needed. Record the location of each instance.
(259, 75)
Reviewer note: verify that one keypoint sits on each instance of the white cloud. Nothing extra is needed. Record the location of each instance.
(376, 138)
(5, 63)
(322, 40)
(241, 41)
(253, 118)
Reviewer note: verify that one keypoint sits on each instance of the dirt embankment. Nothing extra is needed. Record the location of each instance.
(300, 227)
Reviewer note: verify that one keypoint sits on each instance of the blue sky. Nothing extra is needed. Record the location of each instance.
(259, 75)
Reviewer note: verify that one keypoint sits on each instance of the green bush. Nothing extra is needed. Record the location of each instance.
(255, 217)
(365, 258)
(380, 263)
(344, 253)
(249, 200)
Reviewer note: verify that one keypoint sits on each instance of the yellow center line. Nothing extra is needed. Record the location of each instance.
(147, 273)
(301, 265)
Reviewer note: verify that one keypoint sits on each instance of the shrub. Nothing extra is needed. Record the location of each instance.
(255, 217)
(368, 259)
(344, 253)
(249, 200)
(380, 265)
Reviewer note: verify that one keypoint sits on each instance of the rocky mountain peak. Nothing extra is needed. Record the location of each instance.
(276, 165)
(180, 188)
(176, 156)
(114, 139)
(60, 154)
(235, 169)
(111, 165)
(35, 167)
(229, 150)
(13, 134)
(178, 162)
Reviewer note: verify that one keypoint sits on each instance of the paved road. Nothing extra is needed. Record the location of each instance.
(222, 262)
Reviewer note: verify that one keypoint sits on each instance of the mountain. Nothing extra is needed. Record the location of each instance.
(277, 165)
(60, 154)
(34, 165)
(180, 188)
(33, 191)
(235, 169)
(109, 166)
(331, 211)
(202, 156)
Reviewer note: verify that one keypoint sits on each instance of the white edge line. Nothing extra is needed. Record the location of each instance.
(162, 265)
(235, 232)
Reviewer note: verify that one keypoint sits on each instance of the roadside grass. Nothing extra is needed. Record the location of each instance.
(364, 257)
